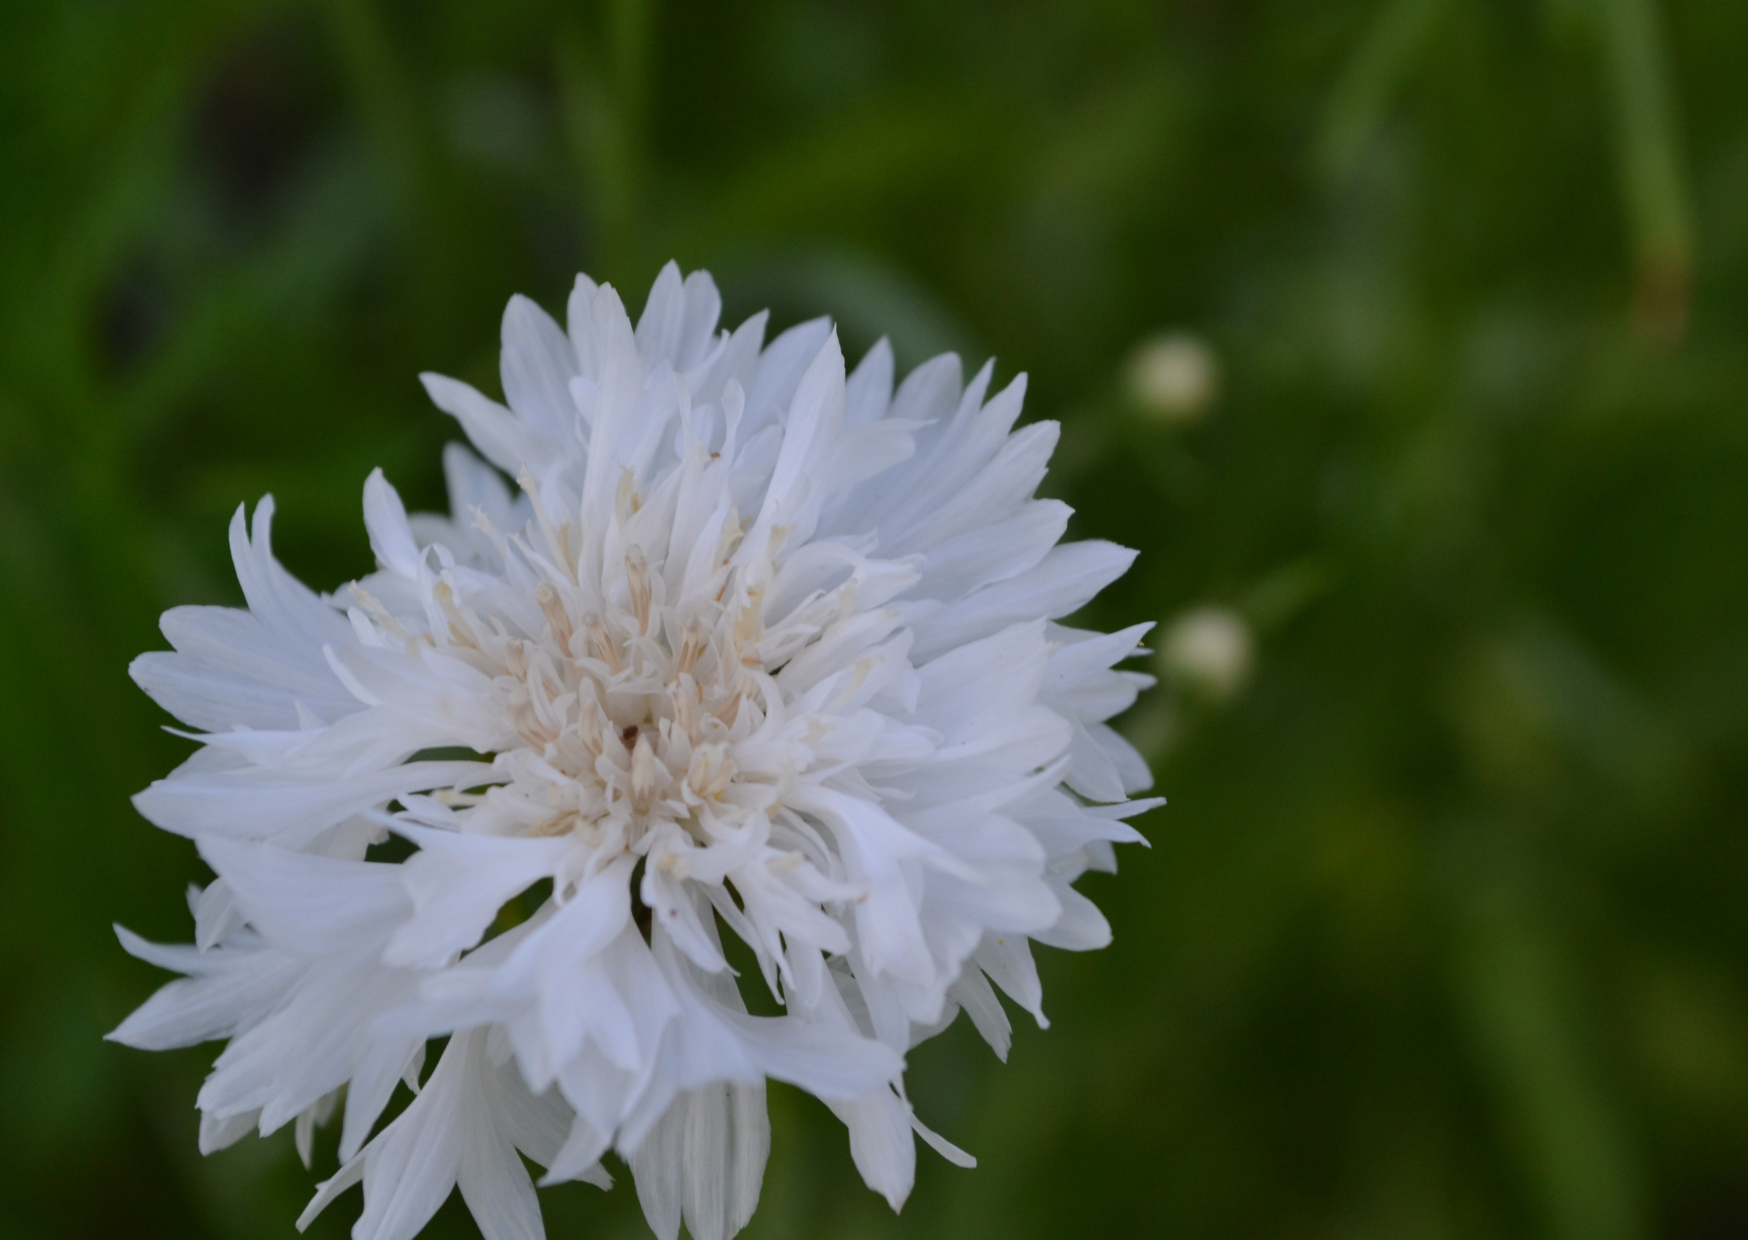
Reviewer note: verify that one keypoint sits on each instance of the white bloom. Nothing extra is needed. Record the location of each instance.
(754, 648)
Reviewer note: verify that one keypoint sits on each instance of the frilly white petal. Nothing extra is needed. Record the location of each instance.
(704, 1162)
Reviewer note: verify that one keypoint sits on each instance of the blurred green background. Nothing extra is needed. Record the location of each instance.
(1443, 453)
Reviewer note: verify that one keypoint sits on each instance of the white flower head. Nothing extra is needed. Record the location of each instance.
(756, 652)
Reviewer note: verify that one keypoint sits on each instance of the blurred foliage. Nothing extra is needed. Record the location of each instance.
(1443, 931)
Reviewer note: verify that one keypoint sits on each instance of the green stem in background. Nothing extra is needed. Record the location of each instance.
(384, 96)
(1648, 148)
(1369, 83)
(60, 369)
(1513, 986)
(1653, 180)
(399, 127)
(604, 84)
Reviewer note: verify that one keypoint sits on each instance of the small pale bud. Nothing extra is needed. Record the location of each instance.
(1174, 378)
(1208, 651)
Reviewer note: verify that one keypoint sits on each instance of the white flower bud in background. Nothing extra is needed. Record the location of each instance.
(1174, 378)
(1208, 652)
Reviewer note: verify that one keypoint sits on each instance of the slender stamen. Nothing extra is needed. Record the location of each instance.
(712, 770)
(691, 646)
(637, 572)
(601, 641)
(643, 772)
(556, 616)
(749, 626)
(377, 612)
(459, 629)
(685, 696)
(626, 500)
(589, 727)
(729, 540)
(728, 709)
(561, 825)
(558, 537)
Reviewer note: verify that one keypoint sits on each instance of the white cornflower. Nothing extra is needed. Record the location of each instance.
(756, 651)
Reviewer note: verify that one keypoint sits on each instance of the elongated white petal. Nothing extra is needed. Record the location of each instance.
(880, 1142)
(704, 1162)
(491, 427)
(227, 990)
(538, 364)
(385, 517)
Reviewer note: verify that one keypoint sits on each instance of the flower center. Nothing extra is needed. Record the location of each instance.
(623, 714)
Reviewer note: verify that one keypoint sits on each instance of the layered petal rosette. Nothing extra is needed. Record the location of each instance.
(750, 651)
